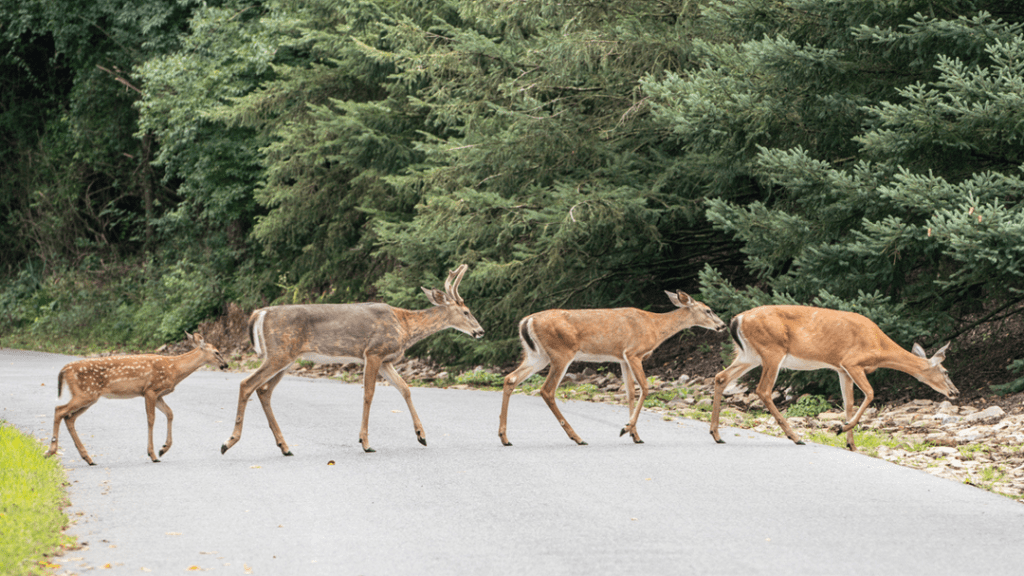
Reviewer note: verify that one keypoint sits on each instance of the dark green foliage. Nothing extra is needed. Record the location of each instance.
(164, 157)
(808, 405)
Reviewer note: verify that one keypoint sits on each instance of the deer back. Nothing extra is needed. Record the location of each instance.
(326, 332)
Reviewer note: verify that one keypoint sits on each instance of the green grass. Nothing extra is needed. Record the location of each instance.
(32, 493)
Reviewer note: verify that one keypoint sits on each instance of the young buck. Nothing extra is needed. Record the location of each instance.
(624, 335)
(148, 375)
(807, 338)
(372, 334)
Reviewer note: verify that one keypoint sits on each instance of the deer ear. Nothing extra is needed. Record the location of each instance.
(679, 298)
(188, 337)
(940, 355)
(918, 350)
(436, 297)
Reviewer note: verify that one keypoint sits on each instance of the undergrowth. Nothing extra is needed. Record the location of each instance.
(31, 518)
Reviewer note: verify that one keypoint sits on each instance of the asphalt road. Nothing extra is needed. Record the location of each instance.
(465, 504)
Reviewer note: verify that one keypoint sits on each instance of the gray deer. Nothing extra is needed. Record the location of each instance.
(373, 334)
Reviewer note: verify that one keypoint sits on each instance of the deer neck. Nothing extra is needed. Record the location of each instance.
(422, 323)
(899, 359)
(188, 362)
(670, 323)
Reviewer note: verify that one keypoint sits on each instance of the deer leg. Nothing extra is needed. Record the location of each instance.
(635, 369)
(59, 413)
(69, 421)
(150, 418)
(264, 392)
(627, 383)
(846, 386)
(530, 366)
(388, 371)
(769, 373)
(547, 392)
(67, 413)
(861, 380)
(163, 407)
(369, 383)
(735, 371)
(264, 373)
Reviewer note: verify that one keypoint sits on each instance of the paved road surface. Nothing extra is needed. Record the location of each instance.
(679, 504)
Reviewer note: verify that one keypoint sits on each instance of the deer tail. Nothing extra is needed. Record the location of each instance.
(256, 330)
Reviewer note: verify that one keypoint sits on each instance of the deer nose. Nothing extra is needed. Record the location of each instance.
(478, 334)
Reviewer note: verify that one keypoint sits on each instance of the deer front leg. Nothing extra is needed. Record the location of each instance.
(369, 384)
(163, 407)
(547, 392)
(150, 418)
(264, 392)
(388, 371)
(634, 368)
(861, 380)
(846, 386)
(627, 383)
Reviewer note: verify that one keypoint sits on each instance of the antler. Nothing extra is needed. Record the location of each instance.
(451, 285)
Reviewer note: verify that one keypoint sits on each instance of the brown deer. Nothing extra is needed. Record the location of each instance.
(807, 338)
(148, 375)
(624, 335)
(373, 334)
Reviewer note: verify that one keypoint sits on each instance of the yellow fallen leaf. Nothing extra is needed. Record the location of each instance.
(106, 566)
(173, 533)
(193, 568)
(254, 466)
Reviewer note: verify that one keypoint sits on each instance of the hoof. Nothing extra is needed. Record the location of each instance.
(622, 433)
(162, 452)
(223, 448)
(288, 453)
(422, 441)
(506, 443)
(582, 443)
(368, 450)
(637, 441)
(720, 441)
(91, 463)
(800, 443)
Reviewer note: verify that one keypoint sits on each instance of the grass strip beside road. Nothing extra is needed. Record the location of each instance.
(31, 497)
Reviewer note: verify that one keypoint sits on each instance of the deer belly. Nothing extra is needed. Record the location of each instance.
(585, 357)
(796, 363)
(325, 359)
(120, 395)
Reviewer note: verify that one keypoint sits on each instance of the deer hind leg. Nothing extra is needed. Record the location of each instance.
(632, 369)
(387, 370)
(163, 407)
(769, 373)
(68, 413)
(267, 371)
(370, 372)
(846, 386)
(530, 365)
(547, 392)
(264, 392)
(735, 371)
